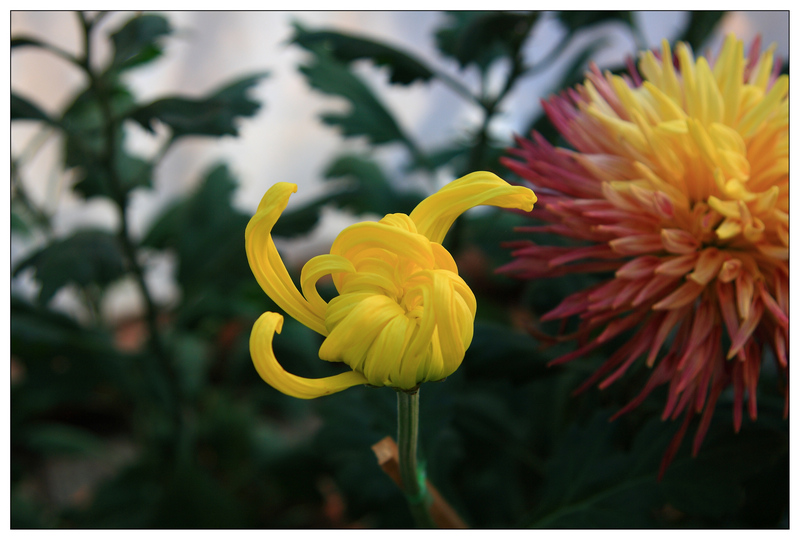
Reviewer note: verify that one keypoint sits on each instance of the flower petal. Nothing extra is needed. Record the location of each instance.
(436, 214)
(314, 269)
(352, 338)
(273, 374)
(359, 241)
(266, 263)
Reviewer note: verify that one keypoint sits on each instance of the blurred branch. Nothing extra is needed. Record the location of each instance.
(442, 513)
(102, 89)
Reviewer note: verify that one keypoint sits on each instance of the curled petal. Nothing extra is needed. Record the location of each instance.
(352, 338)
(436, 214)
(356, 241)
(266, 263)
(319, 266)
(273, 374)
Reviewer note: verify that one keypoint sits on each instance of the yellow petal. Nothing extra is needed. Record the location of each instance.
(314, 269)
(436, 214)
(351, 339)
(387, 352)
(273, 374)
(755, 116)
(266, 263)
(455, 323)
(360, 240)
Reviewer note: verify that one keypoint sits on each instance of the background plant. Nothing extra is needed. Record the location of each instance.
(186, 434)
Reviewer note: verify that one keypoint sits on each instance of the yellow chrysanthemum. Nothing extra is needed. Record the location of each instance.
(679, 183)
(403, 315)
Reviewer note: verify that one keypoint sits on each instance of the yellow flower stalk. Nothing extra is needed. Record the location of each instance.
(403, 315)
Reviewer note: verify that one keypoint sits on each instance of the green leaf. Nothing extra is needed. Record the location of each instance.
(27, 512)
(85, 147)
(208, 235)
(83, 124)
(38, 333)
(27, 41)
(701, 25)
(481, 37)
(369, 190)
(23, 109)
(436, 159)
(576, 20)
(193, 498)
(19, 224)
(352, 422)
(403, 68)
(214, 115)
(61, 439)
(192, 361)
(155, 494)
(367, 115)
(592, 484)
(574, 74)
(302, 220)
(131, 172)
(64, 363)
(137, 42)
(84, 258)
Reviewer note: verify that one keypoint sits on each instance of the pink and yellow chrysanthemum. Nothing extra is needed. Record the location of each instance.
(679, 184)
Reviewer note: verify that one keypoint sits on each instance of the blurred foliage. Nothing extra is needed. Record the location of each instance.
(208, 445)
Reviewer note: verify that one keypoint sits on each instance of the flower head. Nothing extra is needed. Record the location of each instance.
(678, 183)
(403, 315)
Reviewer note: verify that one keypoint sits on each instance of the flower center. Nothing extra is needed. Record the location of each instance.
(403, 316)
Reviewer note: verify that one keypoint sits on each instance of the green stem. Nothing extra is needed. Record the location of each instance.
(103, 89)
(413, 478)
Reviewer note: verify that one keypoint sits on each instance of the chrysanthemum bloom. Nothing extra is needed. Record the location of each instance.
(403, 315)
(679, 184)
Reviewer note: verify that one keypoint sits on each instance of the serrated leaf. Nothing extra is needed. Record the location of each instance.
(436, 159)
(24, 109)
(481, 37)
(701, 25)
(574, 74)
(576, 20)
(131, 172)
(208, 235)
(302, 220)
(83, 122)
(85, 147)
(367, 115)
(592, 484)
(84, 258)
(137, 42)
(214, 115)
(403, 68)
